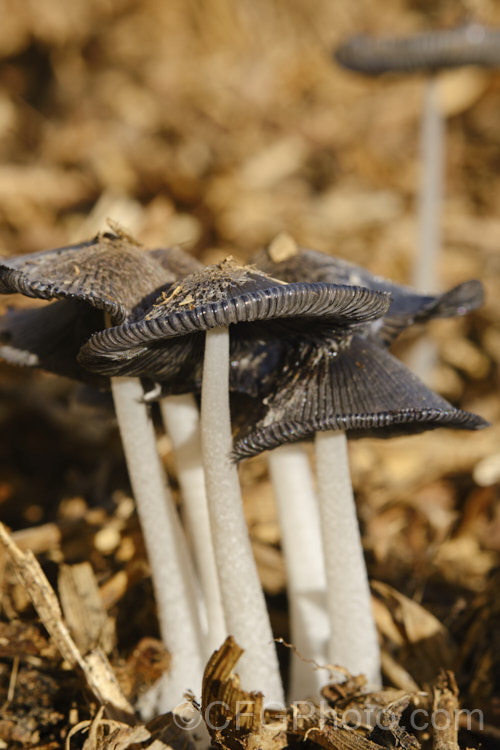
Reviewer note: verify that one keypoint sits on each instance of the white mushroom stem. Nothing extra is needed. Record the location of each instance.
(171, 571)
(431, 191)
(353, 635)
(182, 421)
(305, 568)
(430, 200)
(242, 596)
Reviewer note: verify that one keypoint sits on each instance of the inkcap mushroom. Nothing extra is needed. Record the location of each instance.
(112, 276)
(431, 52)
(328, 386)
(211, 301)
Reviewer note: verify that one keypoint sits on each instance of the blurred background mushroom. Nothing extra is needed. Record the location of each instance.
(433, 51)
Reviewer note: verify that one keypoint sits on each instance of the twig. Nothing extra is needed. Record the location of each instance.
(95, 666)
(445, 712)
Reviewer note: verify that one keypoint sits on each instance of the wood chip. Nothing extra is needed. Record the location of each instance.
(282, 247)
(445, 713)
(235, 717)
(83, 608)
(97, 670)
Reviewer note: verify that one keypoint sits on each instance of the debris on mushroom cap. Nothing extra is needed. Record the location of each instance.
(220, 296)
(407, 306)
(110, 273)
(354, 385)
(227, 293)
(472, 44)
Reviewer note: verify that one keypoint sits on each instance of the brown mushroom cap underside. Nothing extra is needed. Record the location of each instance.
(407, 305)
(110, 273)
(471, 44)
(221, 296)
(359, 388)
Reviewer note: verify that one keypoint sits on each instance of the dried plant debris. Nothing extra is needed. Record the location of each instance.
(478, 663)
(101, 733)
(94, 664)
(347, 718)
(83, 608)
(104, 734)
(445, 706)
(236, 718)
(31, 680)
(144, 667)
(115, 724)
(422, 645)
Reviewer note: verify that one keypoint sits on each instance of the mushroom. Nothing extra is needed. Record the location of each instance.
(51, 337)
(471, 44)
(349, 384)
(210, 301)
(302, 541)
(112, 275)
(333, 387)
(285, 260)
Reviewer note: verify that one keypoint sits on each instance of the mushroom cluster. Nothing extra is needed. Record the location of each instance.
(107, 281)
(292, 348)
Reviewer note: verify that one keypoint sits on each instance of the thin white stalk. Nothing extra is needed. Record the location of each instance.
(430, 200)
(305, 567)
(181, 418)
(172, 575)
(431, 191)
(242, 597)
(353, 635)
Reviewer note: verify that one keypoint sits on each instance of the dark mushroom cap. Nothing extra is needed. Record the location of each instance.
(220, 296)
(407, 306)
(472, 44)
(110, 274)
(50, 337)
(356, 386)
(175, 261)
